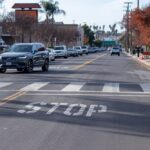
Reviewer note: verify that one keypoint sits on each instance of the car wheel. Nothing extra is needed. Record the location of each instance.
(66, 57)
(3, 70)
(45, 67)
(29, 67)
(19, 69)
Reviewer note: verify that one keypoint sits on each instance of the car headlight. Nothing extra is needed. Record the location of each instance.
(22, 57)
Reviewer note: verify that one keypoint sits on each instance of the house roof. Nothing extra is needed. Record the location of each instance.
(26, 5)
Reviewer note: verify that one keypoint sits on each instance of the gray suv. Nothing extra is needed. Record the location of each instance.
(24, 57)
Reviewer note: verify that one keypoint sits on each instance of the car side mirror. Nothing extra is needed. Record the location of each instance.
(41, 49)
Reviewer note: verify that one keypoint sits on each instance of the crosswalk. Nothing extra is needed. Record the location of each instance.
(74, 86)
(111, 87)
(34, 86)
(107, 87)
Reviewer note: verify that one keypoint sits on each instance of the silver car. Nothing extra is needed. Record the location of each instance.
(51, 54)
(85, 50)
(72, 52)
(61, 51)
(79, 49)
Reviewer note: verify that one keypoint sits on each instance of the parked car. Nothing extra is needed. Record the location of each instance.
(3, 45)
(78, 49)
(85, 50)
(93, 50)
(51, 54)
(102, 49)
(61, 51)
(115, 51)
(72, 52)
(24, 57)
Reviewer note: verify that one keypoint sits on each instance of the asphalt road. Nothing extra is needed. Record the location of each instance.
(93, 102)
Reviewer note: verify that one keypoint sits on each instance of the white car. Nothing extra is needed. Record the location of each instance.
(79, 49)
(72, 52)
(51, 54)
(115, 51)
(85, 50)
(61, 51)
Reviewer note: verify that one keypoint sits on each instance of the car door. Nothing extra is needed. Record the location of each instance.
(37, 55)
(42, 54)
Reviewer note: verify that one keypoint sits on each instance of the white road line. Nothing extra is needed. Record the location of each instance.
(34, 86)
(145, 87)
(4, 84)
(90, 94)
(111, 87)
(80, 92)
(73, 86)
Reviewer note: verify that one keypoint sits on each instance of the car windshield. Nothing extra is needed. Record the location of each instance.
(116, 48)
(21, 48)
(77, 48)
(59, 48)
(70, 49)
(84, 47)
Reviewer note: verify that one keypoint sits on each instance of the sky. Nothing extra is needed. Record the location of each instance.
(91, 12)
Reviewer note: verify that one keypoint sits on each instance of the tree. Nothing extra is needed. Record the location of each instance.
(89, 34)
(51, 9)
(140, 26)
(113, 29)
(8, 23)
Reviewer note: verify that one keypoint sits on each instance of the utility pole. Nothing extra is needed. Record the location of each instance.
(128, 4)
(138, 4)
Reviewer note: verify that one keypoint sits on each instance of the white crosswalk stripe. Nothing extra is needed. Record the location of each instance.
(145, 87)
(74, 86)
(111, 87)
(4, 84)
(34, 86)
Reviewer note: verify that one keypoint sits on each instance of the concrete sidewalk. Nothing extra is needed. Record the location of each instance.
(140, 59)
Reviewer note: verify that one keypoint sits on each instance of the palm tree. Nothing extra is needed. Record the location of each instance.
(51, 9)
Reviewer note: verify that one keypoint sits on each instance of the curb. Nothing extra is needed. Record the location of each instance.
(139, 60)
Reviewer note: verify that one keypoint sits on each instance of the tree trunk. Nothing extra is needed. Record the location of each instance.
(30, 37)
(22, 36)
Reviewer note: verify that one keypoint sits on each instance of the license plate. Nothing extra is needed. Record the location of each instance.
(8, 63)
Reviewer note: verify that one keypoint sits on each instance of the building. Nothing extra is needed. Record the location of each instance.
(26, 28)
(72, 30)
(23, 10)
